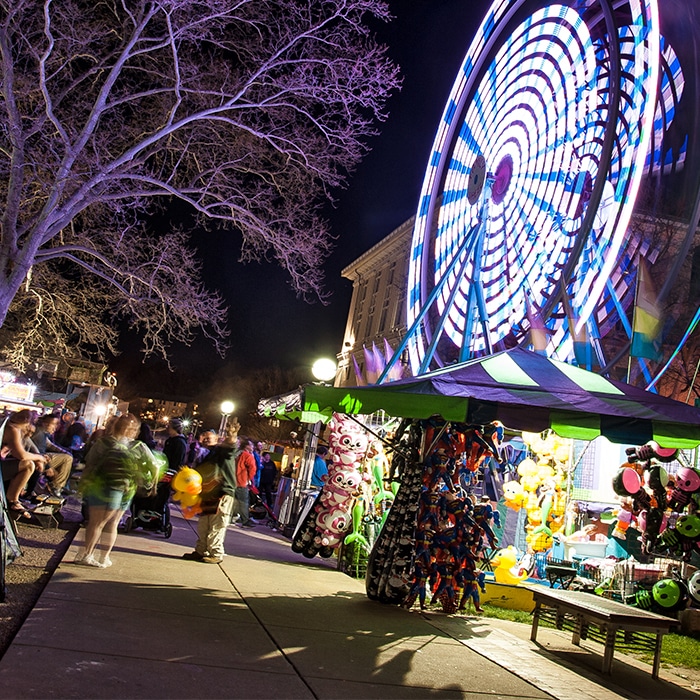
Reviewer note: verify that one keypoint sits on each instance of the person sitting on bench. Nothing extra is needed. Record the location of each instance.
(17, 463)
(59, 461)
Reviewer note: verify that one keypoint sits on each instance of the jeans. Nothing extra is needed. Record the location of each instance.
(242, 504)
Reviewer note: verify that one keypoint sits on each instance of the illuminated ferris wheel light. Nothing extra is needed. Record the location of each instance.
(532, 179)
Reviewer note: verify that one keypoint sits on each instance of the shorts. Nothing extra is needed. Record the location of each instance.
(9, 468)
(113, 499)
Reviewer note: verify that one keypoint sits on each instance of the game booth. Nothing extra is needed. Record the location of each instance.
(490, 481)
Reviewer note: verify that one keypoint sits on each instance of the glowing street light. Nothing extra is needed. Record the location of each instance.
(226, 410)
(324, 369)
(100, 410)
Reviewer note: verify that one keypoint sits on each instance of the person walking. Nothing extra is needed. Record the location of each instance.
(115, 466)
(245, 475)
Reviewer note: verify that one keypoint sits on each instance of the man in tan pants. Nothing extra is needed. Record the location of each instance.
(59, 462)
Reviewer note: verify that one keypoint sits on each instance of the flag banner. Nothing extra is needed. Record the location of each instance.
(583, 350)
(379, 361)
(538, 333)
(359, 378)
(646, 323)
(396, 370)
(371, 373)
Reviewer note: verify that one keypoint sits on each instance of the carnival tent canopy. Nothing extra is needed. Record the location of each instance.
(525, 391)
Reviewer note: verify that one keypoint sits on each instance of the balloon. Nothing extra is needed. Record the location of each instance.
(187, 480)
(626, 482)
(187, 500)
(191, 511)
(656, 477)
(527, 467)
(504, 564)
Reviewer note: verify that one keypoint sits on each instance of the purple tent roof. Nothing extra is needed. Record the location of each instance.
(525, 391)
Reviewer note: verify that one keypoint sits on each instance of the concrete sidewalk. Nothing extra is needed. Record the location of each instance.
(267, 623)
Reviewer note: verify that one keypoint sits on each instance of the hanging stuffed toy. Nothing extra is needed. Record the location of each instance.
(348, 445)
(331, 516)
(686, 483)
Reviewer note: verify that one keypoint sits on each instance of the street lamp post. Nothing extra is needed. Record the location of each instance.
(324, 371)
(226, 410)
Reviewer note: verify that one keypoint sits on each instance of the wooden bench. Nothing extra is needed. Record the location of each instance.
(602, 619)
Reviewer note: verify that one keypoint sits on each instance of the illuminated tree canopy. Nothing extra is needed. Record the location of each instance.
(247, 112)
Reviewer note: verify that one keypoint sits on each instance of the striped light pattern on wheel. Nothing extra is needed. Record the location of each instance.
(526, 196)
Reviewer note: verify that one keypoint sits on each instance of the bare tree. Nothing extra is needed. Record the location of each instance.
(249, 112)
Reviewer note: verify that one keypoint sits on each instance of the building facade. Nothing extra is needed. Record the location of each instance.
(377, 314)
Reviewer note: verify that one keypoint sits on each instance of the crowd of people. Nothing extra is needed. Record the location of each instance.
(39, 454)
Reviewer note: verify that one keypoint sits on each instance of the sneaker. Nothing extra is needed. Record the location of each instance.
(91, 561)
(248, 523)
(193, 556)
(212, 560)
(106, 563)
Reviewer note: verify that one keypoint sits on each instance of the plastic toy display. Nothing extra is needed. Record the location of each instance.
(664, 509)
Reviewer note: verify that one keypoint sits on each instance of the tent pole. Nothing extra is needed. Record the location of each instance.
(692, 384)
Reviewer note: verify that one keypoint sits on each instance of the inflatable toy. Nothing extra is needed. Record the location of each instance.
(625, 517)
(187, 480)
(686, 483)
(326, 525)
(669, 595)
(694, 587)
(626, 481)
(505, 566)
(187, 487)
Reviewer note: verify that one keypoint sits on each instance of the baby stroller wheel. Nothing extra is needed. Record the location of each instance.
(168, 531)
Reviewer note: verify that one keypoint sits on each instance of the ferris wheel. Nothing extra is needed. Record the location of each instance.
(532, 179)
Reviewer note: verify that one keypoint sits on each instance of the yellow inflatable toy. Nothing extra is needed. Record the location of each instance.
(187, 485)
(187, 480)
(514, 494)
(504, 565)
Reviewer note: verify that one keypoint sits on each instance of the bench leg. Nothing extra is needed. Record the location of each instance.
(657, 657)
(576, 637)
(535, 622)
(609, 650)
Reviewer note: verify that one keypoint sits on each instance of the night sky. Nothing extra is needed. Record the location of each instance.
(270, 326)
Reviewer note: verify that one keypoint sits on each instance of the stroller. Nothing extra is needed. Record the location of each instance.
(259, 510)
(151, 511)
